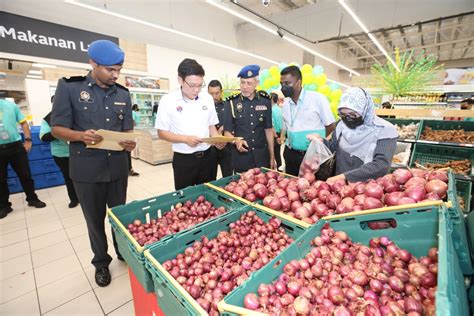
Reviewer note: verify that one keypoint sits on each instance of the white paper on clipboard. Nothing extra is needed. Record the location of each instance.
(220, 139)
(111, 139)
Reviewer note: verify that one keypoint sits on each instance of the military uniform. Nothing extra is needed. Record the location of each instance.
(224, 156)
(100, 176)
(248, 119)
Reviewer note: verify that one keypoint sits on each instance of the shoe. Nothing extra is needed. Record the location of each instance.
(37, 204)
(133, 173)
(4, 211)
(102, 276)
(73, 204)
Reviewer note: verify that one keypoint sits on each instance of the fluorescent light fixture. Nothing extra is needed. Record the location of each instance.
(35, 72)
(366, 30)
(309, 50)
(241, 16)
(37, 65)
(339, 83)
(278, 33)
(162, 28)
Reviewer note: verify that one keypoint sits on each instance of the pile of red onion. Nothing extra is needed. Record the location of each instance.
(339, 277)
(309, 199)
(180, 217)
(210, 269)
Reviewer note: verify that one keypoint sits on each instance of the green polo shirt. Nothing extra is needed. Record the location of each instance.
(59, 148)
(10, 117)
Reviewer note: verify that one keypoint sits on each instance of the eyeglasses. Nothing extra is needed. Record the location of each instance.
(350, 115)
(201, 86)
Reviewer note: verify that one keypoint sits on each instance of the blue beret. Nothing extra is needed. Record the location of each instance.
(106, 53)
(249, 71)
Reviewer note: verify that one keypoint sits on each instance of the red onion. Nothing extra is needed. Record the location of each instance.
(401, 176)
(391, 199)
(293, 288)
(415, 181)
(347, 191)
(438, 187)
(438, 175)
(374, 190)
(416, 192)
(301, 305)
(395, 284)
(412, 305)
(333, 200)
(251, 301)
(406, 200)
(280, 287)
(428, 280)
(372, 203)
(335, 294)
(286, 299)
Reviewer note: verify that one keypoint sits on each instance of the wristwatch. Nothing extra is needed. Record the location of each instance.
(27, 139)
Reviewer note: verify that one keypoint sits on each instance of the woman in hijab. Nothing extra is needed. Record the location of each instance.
(363, 143)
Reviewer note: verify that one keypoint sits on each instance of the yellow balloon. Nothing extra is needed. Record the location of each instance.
(306, 78)
(324, 89)
(274, 81)
(333, 106)
(320, 79)
(267, 84)
(274, 72)
(335, 95)
(259, 87)
(306, 68)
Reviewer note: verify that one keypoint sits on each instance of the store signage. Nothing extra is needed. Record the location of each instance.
(26, 36)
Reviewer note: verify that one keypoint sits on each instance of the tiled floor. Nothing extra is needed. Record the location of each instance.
(45, 254)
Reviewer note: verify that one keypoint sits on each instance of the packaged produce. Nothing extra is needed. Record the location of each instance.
(458, 166)
(454, 136)
(408, 131)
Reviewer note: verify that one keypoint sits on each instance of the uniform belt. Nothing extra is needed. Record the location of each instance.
(197, 154)
(298, 151)
(10, 145)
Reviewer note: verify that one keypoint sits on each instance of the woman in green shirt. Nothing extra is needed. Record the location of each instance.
(60, 152)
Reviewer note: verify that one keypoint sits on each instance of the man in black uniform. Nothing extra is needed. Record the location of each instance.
(224, 156)
(83, 105)
(249, 115)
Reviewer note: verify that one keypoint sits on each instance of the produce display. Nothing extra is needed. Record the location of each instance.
(339, 277)
(210, 268)
(454, 136)
(180, 217)
(308, 199)
(458, 166)
(408, 131)
(426, 97)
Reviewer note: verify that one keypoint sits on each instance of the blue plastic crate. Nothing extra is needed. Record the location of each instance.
(35, 139)
(37, 167)
(10, 172)
(39, 152)
(48, 180)
(14, 185)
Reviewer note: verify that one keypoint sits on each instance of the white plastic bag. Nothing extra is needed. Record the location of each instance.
(317, 154)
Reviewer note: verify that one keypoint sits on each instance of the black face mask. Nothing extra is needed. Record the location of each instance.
(352, 122)
(287, 90)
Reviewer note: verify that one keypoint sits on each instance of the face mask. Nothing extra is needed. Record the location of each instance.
(287, 90)
(352, 123)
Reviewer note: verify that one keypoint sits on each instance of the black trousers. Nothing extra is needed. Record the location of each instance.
(129, 160)
(63, 164)
(293, 160)
(277, 151)
(224, 160)
(15, 154)
(94, 199)
(193, 169)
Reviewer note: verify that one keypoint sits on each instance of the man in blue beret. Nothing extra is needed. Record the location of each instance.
(248, 115)
(82, 105)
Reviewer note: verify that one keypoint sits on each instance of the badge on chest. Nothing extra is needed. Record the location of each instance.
(239, 107)
(85, 96)
(261, 108)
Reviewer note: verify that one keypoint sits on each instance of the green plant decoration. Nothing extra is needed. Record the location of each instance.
(230, 85)
(416, 72)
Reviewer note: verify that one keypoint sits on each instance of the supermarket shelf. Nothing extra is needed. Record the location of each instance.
(445, 143)
(420, 103)
(425, 113)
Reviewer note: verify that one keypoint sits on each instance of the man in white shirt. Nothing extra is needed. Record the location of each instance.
(184, 117)
(304, 113)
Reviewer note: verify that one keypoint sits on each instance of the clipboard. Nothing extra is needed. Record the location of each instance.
(110, 139)
(220, 139)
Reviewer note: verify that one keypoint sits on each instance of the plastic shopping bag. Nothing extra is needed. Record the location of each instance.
(318, 160)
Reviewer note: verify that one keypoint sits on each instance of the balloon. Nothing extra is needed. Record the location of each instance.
(274, 81)
(306, 68)
(310, 87)
(267, 84)
(333, 86)
(274, 72)
(259, 87)
(282, 66)
(318, 70)
(324, 89)
(306, 79)
(320, 79)
(335, 95)
(265, 74)
(333, 106)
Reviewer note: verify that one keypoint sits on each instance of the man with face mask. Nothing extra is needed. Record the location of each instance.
(249, 115)
(82, 105)
(364, 143)
(304, 113)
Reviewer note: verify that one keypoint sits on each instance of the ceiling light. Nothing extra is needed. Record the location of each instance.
(366, 30)
(159, 27)
(37, 65)
(35, 72)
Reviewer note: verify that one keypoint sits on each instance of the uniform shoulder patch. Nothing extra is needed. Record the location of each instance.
(74, 78)
(121, 87)
(263, 94)
(232, 96)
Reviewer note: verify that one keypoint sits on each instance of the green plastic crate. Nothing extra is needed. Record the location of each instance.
(401, 122)
(172, 298)
(123, 215)
(428, 153)
(417, 230)
(445, 125)
(464, 190)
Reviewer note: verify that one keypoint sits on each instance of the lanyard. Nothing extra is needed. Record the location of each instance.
(293, 117)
